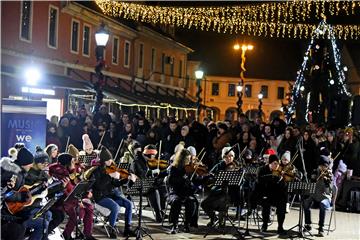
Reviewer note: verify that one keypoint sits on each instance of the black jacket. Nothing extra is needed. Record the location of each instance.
(179, 183)
(104, 184)
(269, 185)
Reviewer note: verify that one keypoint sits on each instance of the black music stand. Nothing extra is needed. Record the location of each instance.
(42, 212)
(78, 193)
(251, 172)
(140, 186)
(303, 189)
(226, 179)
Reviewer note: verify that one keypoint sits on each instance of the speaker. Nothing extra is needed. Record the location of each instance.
(355, 120)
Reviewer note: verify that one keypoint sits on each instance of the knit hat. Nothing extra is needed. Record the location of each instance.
(324, 160)
(40, 156)
(273, 158)
(50, 148)
(225, 151)
(19, 145)
(87, 142)
(324, 151)
(150, 150)
(269, 152)
(64, 159)
(8, 169)
(24, 157)
(13, 152)
(73, 151)
(105, 154)
(286, 156)
(192, 150)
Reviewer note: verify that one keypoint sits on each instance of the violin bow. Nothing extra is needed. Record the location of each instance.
(197, 166)
(337, 155)
(118, 150)
(198, 156)
(159, 154)
(67, 145)
(102, 137)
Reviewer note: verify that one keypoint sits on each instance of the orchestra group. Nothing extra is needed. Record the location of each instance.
(183, 178)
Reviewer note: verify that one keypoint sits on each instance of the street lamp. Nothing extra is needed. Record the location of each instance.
(32, 75)
(101, 39)
(239, 87)
(260, 97)
(199, 74)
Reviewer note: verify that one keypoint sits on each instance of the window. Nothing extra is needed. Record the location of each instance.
(153, 59)
(26, 21)
(172, 65)
(231, 90)
(127, 54)
(86, 40)
(215, 89)
(141, 55)
(75, 36)
(264, 91)
(248, 90)
(281, 93)
(180, 68)
(163, 63)
(115, 50)
(53, 27)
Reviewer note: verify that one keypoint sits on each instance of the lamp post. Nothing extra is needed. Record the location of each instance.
(101, 38)
(260, 97)
(199, 74)
(240, 86)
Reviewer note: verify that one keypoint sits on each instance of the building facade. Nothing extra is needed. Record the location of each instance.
(143, 66)
(220, 94)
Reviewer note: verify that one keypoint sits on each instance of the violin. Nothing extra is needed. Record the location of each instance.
(197, 168)
(288, 172)
(154, 163)
(112, 169)
(326, 174)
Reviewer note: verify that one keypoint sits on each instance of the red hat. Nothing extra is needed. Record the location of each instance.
(269, 152)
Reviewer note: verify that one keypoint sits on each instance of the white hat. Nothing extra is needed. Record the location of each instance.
(13, 153)
(192, 150)
(286, 156)
(87, 142)
(226, 150)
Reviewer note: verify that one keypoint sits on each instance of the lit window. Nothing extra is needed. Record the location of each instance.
(75, 36)
(86, 40)
(53, 27)
(26, 20)
(215, 89)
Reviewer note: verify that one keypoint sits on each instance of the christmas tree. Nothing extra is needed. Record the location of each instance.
(320, 91)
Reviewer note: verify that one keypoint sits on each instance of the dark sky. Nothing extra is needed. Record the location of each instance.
(271, 58)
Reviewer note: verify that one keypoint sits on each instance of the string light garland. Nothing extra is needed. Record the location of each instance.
(301, 88)
(276, 19)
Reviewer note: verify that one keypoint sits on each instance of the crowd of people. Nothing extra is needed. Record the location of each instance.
(85, 147)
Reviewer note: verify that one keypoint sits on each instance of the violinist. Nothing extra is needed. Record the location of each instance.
(217, 199)
(62, 170)
(141, 168)
(11, 228)
(271, 192)
(107, 194)
(181, 193)
(323, 193)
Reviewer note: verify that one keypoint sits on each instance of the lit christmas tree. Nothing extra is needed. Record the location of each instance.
(320, 91)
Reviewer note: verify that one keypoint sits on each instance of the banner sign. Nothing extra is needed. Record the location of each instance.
(23, 121)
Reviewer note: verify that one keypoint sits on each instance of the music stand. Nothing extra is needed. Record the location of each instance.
(303, 189)
(125, 166)
(226, 179)
(140, 186)
(77, 193)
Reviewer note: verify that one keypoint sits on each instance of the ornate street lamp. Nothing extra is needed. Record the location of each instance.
(101, 38)
(239, 87)
(199, 74)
